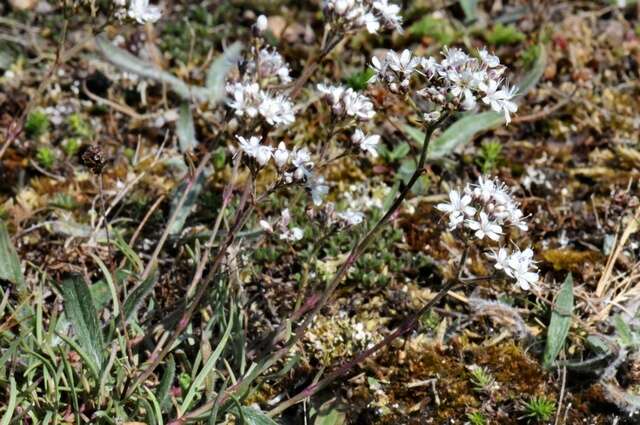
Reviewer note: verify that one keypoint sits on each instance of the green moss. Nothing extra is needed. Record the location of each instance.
(504, 34)
(78, 126)
(540, 409)
(71, 147)
(489, 156)
(37, 124)
(45, 157)
(359, 80)
(436, 28)
(530, 55)
(476, 418)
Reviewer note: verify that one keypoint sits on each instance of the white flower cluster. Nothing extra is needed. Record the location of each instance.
(253, 95)
(483, 210)
(457, 82)
(346, 102)
(281, 226)
(271, 66)
(248, 99)
(352, 15)
(139, 10)
(295, 166)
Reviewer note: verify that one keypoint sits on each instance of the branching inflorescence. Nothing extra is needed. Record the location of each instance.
(487, 212)
(455, 83)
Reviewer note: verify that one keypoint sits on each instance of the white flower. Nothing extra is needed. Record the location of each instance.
(379, 67)
(485, 227)
(457, 204)
(405, 63)
(501, 258)
(430, 66)
(357, 105)
(352, 218)
(520, 264)
(276, 110)
(261, 23)
(253, 148)
(499, 99)
(272, 64)
(389, 13)
(281, 155)
(318, 189)
(334, 95)
(366, 143)
(143, 12)
(370, 22)
(244, 98)
(485, 189)
(266, 226)
(301, 160)
(492, 61)
(292, 235)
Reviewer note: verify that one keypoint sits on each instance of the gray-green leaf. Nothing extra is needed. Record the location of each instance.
(219, 69)
(185, 129)
(187, 206)
(80, 309)
(125, 60)
(9, 262)
(256, 417)
(560, 322)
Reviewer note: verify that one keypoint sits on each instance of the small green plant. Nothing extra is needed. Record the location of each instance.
(37, 124)
(539, 408)
(504, 34)
(436, 28)
(45, 156)
(79, 126)
(489, 156)
(482, 379)
(71, 147)
(529, 55)
(359, 80)
(476, 418)
(63, 201)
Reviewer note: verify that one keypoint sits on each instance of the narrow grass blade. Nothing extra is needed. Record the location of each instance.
(11, 405)
(560, 322)
(165, 384)
(206, 369)
(109, 279)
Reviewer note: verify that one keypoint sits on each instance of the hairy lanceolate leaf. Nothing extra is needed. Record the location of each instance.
(138, 295)
(560, 322)
(125, 60)
(81, 312)
(185, 129)
(9, 262)
(256, 417)
(466, 128)
(219, 69)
